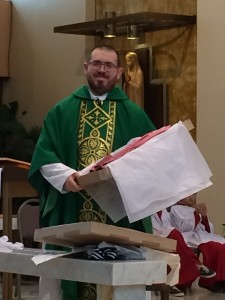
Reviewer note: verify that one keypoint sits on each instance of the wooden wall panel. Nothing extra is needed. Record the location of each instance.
(5, 33)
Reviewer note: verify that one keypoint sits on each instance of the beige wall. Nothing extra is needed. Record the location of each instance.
(211, 102)
(45, 66)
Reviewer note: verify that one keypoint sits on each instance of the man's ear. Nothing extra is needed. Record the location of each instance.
(119, 72)
(85, 67)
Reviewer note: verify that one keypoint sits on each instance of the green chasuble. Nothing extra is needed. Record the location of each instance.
(77, 132)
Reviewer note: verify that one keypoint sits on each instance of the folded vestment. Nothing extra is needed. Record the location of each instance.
(163, 170)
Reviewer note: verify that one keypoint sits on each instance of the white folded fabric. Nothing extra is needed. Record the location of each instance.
(154, 176)
(4, 243)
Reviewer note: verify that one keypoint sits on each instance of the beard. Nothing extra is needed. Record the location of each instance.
(100, 85)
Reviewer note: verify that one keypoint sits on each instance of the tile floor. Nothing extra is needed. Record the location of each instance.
(196, 294)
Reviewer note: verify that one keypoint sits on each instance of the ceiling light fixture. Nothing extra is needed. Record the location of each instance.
(132, 32)
(146, 21)
(110, 29)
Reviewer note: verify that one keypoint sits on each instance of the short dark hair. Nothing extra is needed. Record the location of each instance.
(107, 48)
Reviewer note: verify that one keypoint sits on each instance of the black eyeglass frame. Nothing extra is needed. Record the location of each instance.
(107, 64)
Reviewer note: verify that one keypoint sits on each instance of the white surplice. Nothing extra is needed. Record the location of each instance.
(162, 226)
(183, 218)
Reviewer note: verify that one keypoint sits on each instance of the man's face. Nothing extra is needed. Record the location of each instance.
(102, 78)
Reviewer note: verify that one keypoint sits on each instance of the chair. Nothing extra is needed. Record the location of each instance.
(27, 221)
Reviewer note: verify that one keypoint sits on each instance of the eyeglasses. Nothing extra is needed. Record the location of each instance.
(96, 64)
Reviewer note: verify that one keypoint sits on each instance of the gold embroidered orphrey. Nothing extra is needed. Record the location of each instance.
(95, 139)
(96, 132)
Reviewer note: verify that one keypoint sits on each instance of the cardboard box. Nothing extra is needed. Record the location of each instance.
(87, 233)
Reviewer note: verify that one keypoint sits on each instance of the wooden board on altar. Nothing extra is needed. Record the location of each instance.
(94, 177)
(87, 233)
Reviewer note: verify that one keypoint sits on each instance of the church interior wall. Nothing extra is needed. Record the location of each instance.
(45, 67)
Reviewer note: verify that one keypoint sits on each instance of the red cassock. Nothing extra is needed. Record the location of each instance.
(188, 259)
(198, 231)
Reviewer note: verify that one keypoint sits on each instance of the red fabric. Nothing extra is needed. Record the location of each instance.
(159, 213)
(214, 258)
(205, 222)
(197, 218)
(188, 260)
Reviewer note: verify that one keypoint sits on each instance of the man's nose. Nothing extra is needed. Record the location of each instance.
(102, 66)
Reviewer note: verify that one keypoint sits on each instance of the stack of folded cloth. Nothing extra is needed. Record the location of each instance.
(151, 174)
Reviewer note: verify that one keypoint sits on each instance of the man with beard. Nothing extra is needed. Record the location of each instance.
(82, 128)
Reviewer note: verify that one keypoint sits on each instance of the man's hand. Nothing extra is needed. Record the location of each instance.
(71, 184)
(201, 209)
